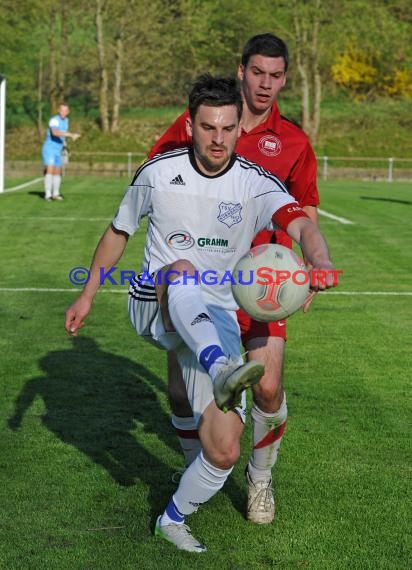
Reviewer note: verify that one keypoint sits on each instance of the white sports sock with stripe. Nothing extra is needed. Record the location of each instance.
(267, 435)
(199, 483)
(186, 430)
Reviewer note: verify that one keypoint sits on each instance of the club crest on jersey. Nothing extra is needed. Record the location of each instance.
(179, 239)
(229, 213)
(270, 145)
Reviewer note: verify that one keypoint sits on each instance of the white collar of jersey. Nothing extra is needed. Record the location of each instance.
(223, 172)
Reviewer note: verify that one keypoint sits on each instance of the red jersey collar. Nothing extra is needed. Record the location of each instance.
(272, 123)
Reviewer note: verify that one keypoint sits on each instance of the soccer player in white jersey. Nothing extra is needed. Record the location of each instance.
(204, 205)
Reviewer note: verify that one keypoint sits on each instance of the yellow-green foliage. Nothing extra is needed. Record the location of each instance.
(358, 72)
(400, 84)
(355, 71)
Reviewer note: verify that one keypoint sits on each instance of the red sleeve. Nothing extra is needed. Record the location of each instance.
(287, 214)
(301, 181)
(175, 137)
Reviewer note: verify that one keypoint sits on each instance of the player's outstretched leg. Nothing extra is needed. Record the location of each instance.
(232, 379)
(193, 321)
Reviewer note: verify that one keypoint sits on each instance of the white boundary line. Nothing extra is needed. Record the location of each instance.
(54, 290)
(78, 290)
(383, 293)
(333, 217)
(20, 186)
(55, 218)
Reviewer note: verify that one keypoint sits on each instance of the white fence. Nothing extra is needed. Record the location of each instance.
(366, 167)
(125, 164)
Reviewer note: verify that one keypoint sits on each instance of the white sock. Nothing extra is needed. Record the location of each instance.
(188, 436)
(199, 483)
(191, 318)
(57, 179)
(267, 435)
(48, 184)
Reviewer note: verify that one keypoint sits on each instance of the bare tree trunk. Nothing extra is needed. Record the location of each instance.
(64, 46)
(307, 37)
(302, 69)
(53, 92)
(40, 98)
(104, 83)
(117, 82)
(317, 81)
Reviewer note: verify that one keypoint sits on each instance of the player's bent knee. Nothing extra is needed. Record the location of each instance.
(183, 266)
(268, 396)
(268, 390)
(225, 457)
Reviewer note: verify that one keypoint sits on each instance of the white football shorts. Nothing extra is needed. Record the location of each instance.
(145, 316)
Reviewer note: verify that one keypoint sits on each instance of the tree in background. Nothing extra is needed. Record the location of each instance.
(374, 56)
(307, 21)
(110, 55)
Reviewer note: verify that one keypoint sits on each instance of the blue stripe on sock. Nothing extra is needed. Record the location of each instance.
(173, 512)
(209, 355)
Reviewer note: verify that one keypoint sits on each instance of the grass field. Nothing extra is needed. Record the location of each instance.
(87, 450)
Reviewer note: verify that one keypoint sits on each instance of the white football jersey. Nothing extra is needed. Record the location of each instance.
(208, 220)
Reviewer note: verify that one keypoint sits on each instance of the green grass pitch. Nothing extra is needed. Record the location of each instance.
(87, 450)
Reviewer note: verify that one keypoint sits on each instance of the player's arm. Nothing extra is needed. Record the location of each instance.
(312, 213)
(64, 134)
(295, 222)
(302, 184)
(108, 252)
(315, 250)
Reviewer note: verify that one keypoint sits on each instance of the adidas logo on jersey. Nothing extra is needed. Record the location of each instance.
(178, 180)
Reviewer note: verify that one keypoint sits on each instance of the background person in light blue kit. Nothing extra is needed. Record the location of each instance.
(57, 131)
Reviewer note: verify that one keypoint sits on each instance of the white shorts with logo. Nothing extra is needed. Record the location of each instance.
(145, 316)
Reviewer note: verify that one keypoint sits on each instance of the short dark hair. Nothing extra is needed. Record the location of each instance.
(214, 92)
(265, 44)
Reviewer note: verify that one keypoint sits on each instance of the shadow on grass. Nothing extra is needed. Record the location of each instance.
(394, 200)
(36, 193)
(94, 401)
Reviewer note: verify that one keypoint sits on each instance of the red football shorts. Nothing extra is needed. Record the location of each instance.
(250, 328)
(254, 329)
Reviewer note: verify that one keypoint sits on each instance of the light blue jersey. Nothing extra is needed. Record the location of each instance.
(53, 146)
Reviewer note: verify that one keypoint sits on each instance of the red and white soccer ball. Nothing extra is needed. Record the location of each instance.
(272, 282)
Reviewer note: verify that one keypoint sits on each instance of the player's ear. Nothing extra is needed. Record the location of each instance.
(189, 129)
(284, 80)
(240, 72)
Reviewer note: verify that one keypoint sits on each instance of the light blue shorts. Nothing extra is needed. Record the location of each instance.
(52, 155)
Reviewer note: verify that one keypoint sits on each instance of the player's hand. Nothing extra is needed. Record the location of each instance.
(308, 300)
(323, 276)
(76, 136)
(76, 314)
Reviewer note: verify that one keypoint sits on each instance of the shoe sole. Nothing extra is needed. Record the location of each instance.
(244, 377)
(261, 520)
(158, 533)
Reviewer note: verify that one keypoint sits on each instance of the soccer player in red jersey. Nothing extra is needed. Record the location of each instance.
(281, 147)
